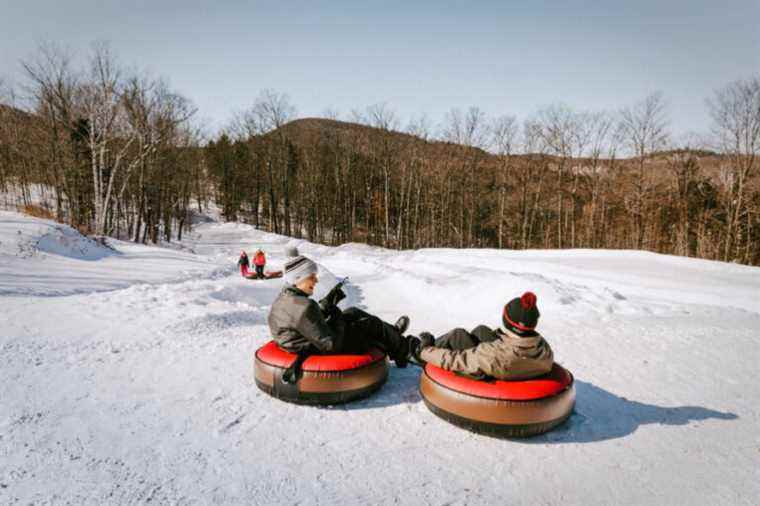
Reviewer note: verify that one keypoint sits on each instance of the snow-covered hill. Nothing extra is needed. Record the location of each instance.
(126, 377)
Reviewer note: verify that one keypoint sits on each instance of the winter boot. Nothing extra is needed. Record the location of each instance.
(402, 324)
(402, 355)
(415, 346)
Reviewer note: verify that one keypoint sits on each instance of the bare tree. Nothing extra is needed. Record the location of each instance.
(644, 125)
(272, 110)
(643, 129)
(471, 129)
(419, 126)
(381, 116)
(154, 116)
(564, 134)
(111, 136)
(735, 110)
(504, 138)
(100, 99)
(244, 125)
(468, 128)
(602, 153)
(531, 178)
(53, 87)
(358, 116)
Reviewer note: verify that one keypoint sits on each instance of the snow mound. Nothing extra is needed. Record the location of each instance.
(250, 292)
(65, 241)
(44, 258)
(24, 237)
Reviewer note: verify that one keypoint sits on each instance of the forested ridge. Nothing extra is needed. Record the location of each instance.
(120, 154)
(336, 182)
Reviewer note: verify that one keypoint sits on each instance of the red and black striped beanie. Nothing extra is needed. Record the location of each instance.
(521, 313)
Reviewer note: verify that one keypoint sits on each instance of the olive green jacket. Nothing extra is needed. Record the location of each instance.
(506, 358)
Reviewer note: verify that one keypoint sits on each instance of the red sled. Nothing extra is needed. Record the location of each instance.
(252, 275)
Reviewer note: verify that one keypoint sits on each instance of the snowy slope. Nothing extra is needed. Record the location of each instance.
(126, 377)
(42, 257)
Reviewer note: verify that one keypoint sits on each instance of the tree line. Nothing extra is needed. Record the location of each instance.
(109, 151)
(115, 152)
(559, 179)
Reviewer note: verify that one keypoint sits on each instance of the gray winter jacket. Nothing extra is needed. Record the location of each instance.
(297, 324)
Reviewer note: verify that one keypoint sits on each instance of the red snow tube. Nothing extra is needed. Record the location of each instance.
(326, 379)
(252, 275)
(517, 408)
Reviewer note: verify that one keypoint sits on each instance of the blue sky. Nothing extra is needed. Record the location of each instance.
(419, 57)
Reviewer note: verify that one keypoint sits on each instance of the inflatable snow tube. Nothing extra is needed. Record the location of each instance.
(325, 379)
(253, 276)
(519, 408)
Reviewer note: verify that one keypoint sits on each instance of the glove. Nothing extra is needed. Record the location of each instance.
(420, 343)
(332, 314)
(333, 297)
(426, 339)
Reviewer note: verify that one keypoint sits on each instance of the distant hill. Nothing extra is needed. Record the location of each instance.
(8, 112)
(307, 131)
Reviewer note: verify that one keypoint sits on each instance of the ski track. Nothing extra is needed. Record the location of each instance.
(140, 390)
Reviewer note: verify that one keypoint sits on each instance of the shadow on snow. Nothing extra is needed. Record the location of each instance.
(599, 414)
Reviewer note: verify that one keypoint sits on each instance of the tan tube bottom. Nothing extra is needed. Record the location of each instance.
(333, 387)
(494, 416)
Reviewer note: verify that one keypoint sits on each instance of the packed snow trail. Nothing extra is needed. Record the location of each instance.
(126, 377)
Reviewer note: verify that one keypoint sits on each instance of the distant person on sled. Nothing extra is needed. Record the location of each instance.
(259, 261)
(515, 352)
(244, 263)
(301, 325)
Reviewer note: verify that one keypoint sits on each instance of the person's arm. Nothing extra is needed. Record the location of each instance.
(468, 361)
(313, 327)
(335, 295)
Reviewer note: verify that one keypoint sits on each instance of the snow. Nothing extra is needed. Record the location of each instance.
(126, 377)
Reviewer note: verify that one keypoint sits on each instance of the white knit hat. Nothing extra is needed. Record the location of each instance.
(299, 268)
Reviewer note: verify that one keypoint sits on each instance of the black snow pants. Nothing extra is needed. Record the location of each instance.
(460, 339)
(260, 271)
(357, 331)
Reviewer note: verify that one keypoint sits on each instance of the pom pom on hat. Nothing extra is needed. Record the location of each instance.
(528, 300)
(521, 314)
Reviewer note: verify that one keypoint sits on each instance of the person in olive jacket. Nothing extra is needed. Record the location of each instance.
(299, 325)
(516, 352)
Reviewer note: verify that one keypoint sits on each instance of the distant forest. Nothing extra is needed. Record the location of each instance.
(117, 153)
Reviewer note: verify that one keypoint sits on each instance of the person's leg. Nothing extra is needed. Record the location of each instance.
(484, 334)
(364, 330)
(353, 314)
(457, 339)
(260, 271)
(336, 321)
